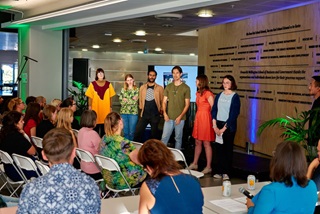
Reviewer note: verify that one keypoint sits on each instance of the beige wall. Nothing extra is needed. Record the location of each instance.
(272, 58)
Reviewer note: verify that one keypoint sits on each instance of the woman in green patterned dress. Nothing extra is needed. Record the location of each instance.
(114, 146)
(129, 106)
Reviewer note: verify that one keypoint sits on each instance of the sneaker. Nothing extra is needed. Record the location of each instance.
(218, 176)
(192, 166)
(206, 170)
(225, 177)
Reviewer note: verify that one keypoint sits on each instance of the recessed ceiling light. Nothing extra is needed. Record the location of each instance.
(205, 13)
(158, 49)
(140, 33)
(95, 46)
(140, 52)
(84, 49)
(108, 33)
(191, 54)
(168, 16)
(117, 40)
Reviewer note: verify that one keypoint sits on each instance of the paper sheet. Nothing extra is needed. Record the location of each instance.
(219, 139)
(230, 205)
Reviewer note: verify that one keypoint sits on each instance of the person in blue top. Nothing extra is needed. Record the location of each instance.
(291, 191)
(225, 111)
(168, 190)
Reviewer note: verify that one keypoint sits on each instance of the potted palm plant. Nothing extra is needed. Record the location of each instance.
(297, 129)
(79, 96)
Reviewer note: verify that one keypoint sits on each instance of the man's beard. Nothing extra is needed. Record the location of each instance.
(151, 81)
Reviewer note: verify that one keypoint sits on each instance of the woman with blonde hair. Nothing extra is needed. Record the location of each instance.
(56, 103)
(114, 146)
(128, 98)
(65, 117)
(16, 104)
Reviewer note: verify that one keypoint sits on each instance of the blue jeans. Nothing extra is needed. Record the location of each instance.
(167, 131)
(129, 125)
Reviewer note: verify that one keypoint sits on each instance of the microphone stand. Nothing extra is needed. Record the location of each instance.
(19, 76)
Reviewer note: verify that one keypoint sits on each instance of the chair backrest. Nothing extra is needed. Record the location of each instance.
(110, 165)
(179, 156)
(25, 163)
(75, 132)
(44, 169)
(37, 141)
(137, 144)
(85, 155)
(5, 157)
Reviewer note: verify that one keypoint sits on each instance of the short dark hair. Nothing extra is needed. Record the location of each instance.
(30, 99)
(58, 145)
(98, 71)
(233, 82)
(152, 71)
(88, 119)
(66, 103)
(178, 68)
(317, 80)
(289, 160)
(157, 156)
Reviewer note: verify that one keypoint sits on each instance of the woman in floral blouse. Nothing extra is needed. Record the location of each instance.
(114, 146)
(129, 106)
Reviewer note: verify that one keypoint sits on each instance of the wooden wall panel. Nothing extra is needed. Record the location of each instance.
(272, 58)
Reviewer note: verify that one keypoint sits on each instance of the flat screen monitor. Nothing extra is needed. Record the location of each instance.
(190, 72)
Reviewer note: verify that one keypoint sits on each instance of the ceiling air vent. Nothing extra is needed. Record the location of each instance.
(168, 16)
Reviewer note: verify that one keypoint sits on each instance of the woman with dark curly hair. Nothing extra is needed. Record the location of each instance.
(290, 191)
(12, 140)
(168, 189)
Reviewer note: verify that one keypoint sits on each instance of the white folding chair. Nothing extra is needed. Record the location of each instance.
(44, 169)
(86, 156)
(179, 156)
(37, 141)
(25, 163)
(6, 158)
(111, 165)
(137, 144)
(75, 132)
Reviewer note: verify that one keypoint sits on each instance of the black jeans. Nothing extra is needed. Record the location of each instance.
(224, 151)
(142, 124)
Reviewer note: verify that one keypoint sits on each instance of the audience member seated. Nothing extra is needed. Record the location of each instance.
(114, 146)
(313, 169)
(65, 117)
(48, 122)
(12, 140)
(30, 99)
(89, 140)
(71, 104)
(56, 103)
(7, 201)
(31, 119)
(42, 102)
(16, 104)
(290, 191)
(63, 189)
(168, 190)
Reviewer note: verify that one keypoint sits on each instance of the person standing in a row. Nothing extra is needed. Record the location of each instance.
(202, 130)
(175, 105)
(128, 98)
(225, 112)
(100, 93)
(150, 103)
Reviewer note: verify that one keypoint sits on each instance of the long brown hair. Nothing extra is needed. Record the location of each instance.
(203, 84)
(64, 118)
(289, 160)
(157, 156)
(126, 84)
(111, 123)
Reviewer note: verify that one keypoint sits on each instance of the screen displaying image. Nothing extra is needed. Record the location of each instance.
(189, 75)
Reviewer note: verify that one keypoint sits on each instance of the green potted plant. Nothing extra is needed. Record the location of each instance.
(79, 96)
(297, 129)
